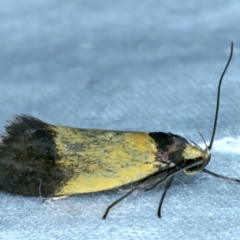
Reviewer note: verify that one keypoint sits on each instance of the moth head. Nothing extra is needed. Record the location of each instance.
(193, 152)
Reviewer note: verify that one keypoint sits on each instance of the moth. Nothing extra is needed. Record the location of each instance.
(62, 161)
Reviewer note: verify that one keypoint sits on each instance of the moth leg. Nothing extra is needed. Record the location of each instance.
(166, 187)
(155, 179)
(138, 187)
(51, 199)
(152, 187)
(119, 200)
(221, 176)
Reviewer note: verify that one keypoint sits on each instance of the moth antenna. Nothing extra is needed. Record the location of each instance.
(194, 143)
(204, 141)
(218, 98)
(215, 123)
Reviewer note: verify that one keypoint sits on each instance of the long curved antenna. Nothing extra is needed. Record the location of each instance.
(215, 125)
(218, 98)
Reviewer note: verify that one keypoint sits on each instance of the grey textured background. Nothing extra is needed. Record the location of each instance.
(128, 65)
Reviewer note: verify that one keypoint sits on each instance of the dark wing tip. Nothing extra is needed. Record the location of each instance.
(20, 123)
(27, 154)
